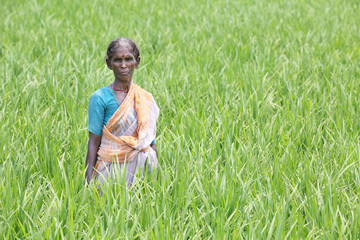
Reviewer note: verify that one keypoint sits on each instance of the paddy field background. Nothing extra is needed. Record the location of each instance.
(258, 134)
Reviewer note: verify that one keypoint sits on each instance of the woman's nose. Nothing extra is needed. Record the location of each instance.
(123, 64)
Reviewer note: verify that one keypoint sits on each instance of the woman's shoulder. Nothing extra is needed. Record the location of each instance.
(102, 95)
(101, 92)
(149, 97)
(142, 91)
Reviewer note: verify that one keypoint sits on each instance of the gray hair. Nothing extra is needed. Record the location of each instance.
(123, 42)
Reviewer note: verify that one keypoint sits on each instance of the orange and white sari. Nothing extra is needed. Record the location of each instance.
(127, 136)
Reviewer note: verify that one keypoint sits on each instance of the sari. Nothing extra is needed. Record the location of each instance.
(127, 136)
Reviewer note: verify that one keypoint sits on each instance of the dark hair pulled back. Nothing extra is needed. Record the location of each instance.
(122, 41)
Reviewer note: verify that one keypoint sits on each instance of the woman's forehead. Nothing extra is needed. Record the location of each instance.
(122, 51)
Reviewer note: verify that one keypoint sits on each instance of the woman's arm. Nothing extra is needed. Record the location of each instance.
(153, 146)
(91, 157)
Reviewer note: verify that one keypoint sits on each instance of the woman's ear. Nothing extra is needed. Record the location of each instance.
(137, 63)
(108, 63)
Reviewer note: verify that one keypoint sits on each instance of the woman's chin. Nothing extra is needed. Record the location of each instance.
(123, 78)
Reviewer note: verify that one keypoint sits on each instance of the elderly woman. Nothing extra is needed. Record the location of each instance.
(122, 120)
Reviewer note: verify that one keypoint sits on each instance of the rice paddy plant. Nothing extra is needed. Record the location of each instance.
(258, 133)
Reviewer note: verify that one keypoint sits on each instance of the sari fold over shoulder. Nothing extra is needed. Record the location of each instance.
(131, 129)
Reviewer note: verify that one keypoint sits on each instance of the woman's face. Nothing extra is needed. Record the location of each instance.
(123, 64)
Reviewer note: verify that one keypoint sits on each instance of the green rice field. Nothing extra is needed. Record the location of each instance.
(259, 125)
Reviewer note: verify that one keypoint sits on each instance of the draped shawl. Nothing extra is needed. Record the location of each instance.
(130, 130)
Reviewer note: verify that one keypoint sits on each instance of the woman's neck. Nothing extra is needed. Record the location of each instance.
(120, 85)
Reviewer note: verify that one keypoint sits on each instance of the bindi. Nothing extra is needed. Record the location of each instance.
(123, 56)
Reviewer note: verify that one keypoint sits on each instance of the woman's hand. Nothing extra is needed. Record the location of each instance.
(91, 157)
(153, 146)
